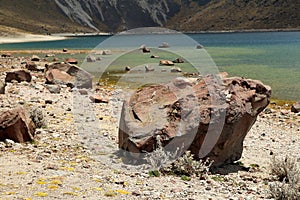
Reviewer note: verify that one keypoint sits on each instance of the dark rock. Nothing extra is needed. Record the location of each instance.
(31, 66)
(71, 75)
(154, 56)
(127, 68)
(83, 92)
(210, 118)
(7, 55)
(296, 107)
(146, 50)
(20, 75)
(16, 125)
(35, 58)
(65, 50)
(2, 87)
(166, 62)
(178, 60)
(199, 46)
(72, 61)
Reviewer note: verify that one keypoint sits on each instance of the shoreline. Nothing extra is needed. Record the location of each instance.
(23, 38)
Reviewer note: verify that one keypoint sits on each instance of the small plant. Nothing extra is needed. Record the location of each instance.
(287, 174)
(154, 173)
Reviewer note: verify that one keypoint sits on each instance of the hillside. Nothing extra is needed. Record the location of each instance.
(57, 16)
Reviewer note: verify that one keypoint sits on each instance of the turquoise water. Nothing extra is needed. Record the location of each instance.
(272, 57)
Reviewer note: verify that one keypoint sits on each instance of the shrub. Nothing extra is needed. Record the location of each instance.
(287, 174)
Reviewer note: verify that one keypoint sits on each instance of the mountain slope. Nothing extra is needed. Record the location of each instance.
(52, 16)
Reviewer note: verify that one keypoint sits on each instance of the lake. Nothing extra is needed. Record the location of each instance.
(272, 57)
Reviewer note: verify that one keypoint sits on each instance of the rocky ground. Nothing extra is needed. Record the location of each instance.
(67, 159)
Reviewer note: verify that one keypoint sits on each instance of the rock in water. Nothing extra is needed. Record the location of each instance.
(20, 75)
(16, 125)
(68, 74)
(210, 118)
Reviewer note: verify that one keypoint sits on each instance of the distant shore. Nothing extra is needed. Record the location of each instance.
(21, 38)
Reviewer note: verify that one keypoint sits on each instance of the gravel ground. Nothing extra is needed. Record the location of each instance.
(72, 157)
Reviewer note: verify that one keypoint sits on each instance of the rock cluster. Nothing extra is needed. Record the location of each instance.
(210, 118)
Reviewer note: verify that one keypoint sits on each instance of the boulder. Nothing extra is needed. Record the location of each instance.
(146, 50)
(20, 75)
(16, 125)
(54, 89)
(296, 107)
(35, 58)
(72, 61)
(210, 118)
(166, 62)
(127, 68)
(65, 73)
(2, 87)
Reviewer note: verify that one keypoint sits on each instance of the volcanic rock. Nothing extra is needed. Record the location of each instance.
(20, 75)
(16, 125)
(210, 118)
(71, 75)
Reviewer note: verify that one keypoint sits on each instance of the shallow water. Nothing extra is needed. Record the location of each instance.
(272, 57)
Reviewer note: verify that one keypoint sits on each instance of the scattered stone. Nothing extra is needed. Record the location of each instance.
(91, 59)
(35, 58)
(19, 76)
(48, 101)
(65, 50)
(146, 50)
(54, 89)
(296, 107)
(149, 68)
(7, 55)
(31, 66)
(72, 61)
(16, 125)
(83, 92)
(166, 62)
(155, 113)
(176, 70)
(98, 99)
(199, 46)
(106, 52)
(178, 60)
(154, 56)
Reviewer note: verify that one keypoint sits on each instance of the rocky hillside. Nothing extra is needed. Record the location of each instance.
(114, 15)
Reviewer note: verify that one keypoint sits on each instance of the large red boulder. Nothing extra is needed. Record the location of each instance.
(210, 118)
(16, 125)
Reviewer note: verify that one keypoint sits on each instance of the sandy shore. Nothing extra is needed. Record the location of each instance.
(28, 38)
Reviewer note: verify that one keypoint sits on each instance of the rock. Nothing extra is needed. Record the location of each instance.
(20, 75)
(164, 45)
(178, 60)
(194, 116)
(35, 58)
(127, 68)
(16, 125)
(65, 50)
(2, 87)
(296, 107)
(199, 46)
(166, 62)
(55, 59)
(54, 89)
(149, 69)
(176, 70)
(154, 56)
(72, 61)
(91, 59)
(31, 66)
(98, 99)
(7, 55)
(37, 117)
(68, 74)
(106, 52)
(50, 55)
(83, 92)
(146, 50)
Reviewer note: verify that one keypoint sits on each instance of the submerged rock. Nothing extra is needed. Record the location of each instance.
(210, 118)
